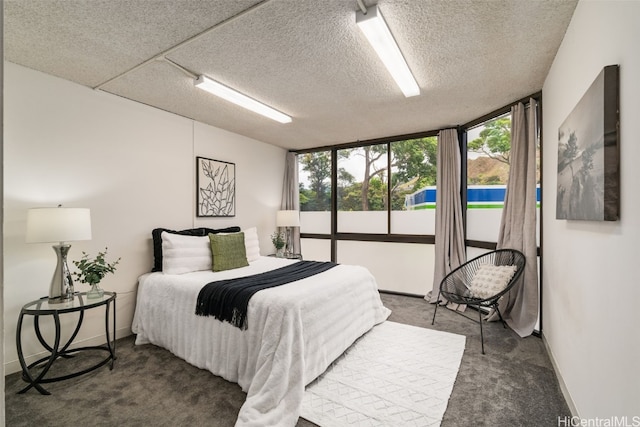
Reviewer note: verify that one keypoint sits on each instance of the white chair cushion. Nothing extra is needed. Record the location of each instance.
(490, 280)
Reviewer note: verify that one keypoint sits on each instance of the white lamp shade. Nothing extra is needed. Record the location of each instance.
(58, 225)
(288, 218)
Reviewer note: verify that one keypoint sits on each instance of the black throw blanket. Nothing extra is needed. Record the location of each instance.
(228, 299)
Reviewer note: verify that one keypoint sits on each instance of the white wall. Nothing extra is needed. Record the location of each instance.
(2, 408)
(132, 165)
(590, 270)
(259, 179)
(397, 267)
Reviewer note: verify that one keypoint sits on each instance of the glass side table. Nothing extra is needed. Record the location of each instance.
(79, 304)
(290, 256)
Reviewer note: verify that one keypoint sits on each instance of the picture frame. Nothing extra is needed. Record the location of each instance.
(215, 188)
(588, 181)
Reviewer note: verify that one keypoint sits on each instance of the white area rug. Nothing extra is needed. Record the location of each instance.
(395, 375)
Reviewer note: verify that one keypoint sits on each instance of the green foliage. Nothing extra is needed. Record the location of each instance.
(345, 178)
(350, 197)
(415, 158)
(277, 238)
(305, 195)
(371, 154)
(377, 194)
(491, 180)
(92, 271)
(318, 196)
(413, 166)
(494, 140)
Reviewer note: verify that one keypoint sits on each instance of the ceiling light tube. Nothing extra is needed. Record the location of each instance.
(211, 86)
(375, 29)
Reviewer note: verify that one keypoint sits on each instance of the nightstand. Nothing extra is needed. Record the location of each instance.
(79, 304)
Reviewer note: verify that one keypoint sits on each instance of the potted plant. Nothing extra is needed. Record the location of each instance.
(92, 271)
(278, 241)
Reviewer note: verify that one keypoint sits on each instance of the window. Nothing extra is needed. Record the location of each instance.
(413, 185)
(314, 172)
(488, 149)
(384, 199)
(488, 163)
(368, 201)
(362, 189)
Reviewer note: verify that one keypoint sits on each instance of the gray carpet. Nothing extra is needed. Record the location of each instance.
(512, 385)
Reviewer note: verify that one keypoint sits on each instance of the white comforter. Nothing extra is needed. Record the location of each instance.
(295, 331)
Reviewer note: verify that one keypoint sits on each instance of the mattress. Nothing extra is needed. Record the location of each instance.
(294, 331)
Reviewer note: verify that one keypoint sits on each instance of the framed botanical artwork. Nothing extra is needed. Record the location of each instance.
(215, 187)
(588, 186)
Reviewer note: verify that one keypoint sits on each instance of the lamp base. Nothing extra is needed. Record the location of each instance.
(61, 288)
(60, 300)
(288, 247)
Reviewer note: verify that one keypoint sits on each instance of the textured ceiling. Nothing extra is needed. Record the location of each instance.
(306, 58)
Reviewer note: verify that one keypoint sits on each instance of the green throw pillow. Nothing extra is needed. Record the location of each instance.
(228, 251)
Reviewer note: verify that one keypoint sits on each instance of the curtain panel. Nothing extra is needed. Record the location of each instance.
(449, 232)
(291, 195)
(519, 307)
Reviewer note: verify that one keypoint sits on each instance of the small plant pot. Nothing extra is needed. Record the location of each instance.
(95, 292)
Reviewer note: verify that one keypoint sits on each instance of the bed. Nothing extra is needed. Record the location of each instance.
(295, 331)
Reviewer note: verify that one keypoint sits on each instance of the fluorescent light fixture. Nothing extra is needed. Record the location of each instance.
(237, 98)
(375, 29)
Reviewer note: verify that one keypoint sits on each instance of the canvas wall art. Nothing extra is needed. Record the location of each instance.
(216, 188)
(588, 154)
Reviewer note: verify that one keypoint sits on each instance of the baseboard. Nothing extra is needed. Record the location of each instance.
(563, 385)
(404, 294)
(14, 365)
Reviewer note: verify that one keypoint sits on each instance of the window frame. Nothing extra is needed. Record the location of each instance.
(386, 236)
(335, 236)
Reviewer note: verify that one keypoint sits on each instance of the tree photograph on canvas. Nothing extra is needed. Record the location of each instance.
(588, 159)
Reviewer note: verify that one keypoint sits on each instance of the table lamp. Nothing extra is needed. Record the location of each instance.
(288, 219)
(59, 225)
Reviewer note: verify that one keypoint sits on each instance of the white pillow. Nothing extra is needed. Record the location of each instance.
(184, 254)
(251, 243)
(490, 280)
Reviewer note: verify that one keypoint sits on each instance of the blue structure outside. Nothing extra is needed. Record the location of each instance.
(478, 196)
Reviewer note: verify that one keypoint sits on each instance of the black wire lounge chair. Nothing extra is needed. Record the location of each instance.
(481, 282)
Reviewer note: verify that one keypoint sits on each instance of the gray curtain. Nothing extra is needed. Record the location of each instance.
(449, 248)
(291, 195)
(519, 307)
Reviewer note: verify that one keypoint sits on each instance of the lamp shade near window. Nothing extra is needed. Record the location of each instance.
(289, 218)
(50, 225)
